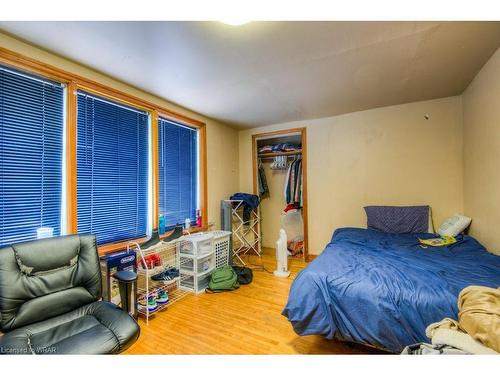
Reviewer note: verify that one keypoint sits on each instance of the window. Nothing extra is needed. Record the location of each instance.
(112, 169)
(31, 154)
(107, 189)
(178, 172)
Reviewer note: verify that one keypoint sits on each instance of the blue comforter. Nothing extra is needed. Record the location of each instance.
(384, 289)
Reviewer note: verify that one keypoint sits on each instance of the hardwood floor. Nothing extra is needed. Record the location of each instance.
(244, 321)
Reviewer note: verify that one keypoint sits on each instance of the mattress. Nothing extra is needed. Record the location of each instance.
(384, 289)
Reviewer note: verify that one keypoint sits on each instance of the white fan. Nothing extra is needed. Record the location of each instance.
(282, 256)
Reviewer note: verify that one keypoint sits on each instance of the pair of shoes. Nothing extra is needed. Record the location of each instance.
(176, 233)
(174, 272)
(159, 297)
(152, 261)
(167, 275)
(162, 297)
(155, 238)
(151, 305)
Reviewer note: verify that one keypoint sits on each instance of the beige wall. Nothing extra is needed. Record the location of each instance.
(481, 114)
(389, 155)
(222, 140)
(272, 206)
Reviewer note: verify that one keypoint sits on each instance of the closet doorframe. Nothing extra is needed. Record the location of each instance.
(284, 132)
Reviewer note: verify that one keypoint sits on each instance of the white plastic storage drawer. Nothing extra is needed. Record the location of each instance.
(187, 264)
(187, 282)
(197, 245)
(203, 264)
(203, 283)
(197, 284)
(222, 246)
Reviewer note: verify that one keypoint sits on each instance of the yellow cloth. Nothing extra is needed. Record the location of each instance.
(438, 242)
(478, 317)
(479, 314)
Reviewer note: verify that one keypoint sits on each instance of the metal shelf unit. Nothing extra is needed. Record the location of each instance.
(168, 253)
(246, 234)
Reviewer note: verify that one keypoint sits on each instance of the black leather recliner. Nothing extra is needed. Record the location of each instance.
(49, 300)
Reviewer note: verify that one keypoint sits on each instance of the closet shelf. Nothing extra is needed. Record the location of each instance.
(283, 153)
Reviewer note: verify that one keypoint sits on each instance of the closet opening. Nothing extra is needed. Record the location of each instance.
(280, 180)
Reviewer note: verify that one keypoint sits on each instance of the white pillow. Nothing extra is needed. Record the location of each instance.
(454, 225)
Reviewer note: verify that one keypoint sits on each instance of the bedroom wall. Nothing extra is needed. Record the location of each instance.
(272, 205)
(222, 140)
(481, 114)
(389, 155)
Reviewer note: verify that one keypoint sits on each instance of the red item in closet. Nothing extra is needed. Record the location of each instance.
(291, 206)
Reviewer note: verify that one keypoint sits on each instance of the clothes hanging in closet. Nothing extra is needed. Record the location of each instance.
(293, 183)
(263, 187)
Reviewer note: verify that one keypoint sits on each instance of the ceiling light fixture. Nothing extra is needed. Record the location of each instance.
(235, 21)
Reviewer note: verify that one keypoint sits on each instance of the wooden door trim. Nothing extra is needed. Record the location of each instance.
(303, 133)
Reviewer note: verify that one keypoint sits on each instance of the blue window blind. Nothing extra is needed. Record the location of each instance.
(178, 172)
(112, 169)
(31, 152)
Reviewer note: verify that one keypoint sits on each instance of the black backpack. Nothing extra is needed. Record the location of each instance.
(245, 275)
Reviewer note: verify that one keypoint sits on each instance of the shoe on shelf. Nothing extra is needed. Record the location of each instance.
(152, 305)
(174, 234)
(173, 272)
(157, 260)
(152, 261)
(167, 275)
(162, 297)
(150, 264)
(162, 276)
(155, 239)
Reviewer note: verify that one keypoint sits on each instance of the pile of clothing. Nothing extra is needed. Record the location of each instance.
(282, 147)
(477, 330)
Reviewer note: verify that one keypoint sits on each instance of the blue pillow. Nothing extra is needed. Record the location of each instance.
(398, 219)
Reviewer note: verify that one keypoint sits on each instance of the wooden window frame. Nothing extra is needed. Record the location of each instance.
(202, 165)
(75, 82)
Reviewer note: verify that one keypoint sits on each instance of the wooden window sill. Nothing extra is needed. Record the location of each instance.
(120, 246)
(191, 231)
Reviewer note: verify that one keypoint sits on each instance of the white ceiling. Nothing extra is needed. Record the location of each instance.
(270, 72)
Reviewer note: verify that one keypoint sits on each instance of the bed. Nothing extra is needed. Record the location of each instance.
(383, 289)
